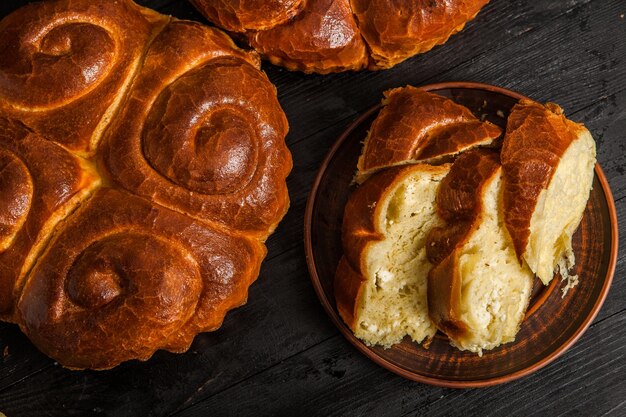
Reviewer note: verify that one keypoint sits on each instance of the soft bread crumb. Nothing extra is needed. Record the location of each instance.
(495, 288)
(560, 208)
(394, 303)
(563, 267)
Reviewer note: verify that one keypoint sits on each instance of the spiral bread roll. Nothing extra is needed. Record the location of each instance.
(178, 275)
(67, 65)
(338, 35)
(224, 136)
(138, 183)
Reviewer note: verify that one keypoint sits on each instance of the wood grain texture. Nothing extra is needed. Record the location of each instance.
(280, 354)
(342, 386)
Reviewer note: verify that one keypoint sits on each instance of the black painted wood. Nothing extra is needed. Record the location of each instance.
(279, 354)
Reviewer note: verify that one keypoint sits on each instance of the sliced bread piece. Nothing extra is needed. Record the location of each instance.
(380, 284)
(418, 126)
(548, 165)
(477, 291)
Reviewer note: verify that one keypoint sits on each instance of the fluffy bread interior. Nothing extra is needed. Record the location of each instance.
(495, 288)
(560, 209)
(394, 300)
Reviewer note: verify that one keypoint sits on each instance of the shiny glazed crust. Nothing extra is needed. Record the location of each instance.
(40, 184)
(536, 138)
(415, 125)
(323, 38)
(134, 204)
(46, 46)
(218, 108)
(396, 30)
(338, 35)
(177, 275)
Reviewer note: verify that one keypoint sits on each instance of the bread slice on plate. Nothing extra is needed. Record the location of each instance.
(478, 292)
(418, 126)
(548, 165)
(380, 284)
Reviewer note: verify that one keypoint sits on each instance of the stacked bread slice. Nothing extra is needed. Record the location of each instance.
(477, 291)
(447, 230)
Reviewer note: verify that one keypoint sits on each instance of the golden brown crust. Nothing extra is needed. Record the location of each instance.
(396, 30)
(46, 48)
(244, 15)
(444, 298)
(99, 276)
(32, 198)
(207, 122)
(348, 289)
(173, 278)
(417, 125)
(361, 228)
(536, 138)
(330, 35)
(323, 38)
(459, 203)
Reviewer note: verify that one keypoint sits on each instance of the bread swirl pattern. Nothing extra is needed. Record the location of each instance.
(177, 275)
(224, 139)
(147, 224)
(338, 35)
(66, 65)
(40, 183)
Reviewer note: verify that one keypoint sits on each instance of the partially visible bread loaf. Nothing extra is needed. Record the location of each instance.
(396, 30)
(340, 35)
(477, 291)
(548, 172)
(380, 285)
(305, 44)
(242, 15)
(415, 125)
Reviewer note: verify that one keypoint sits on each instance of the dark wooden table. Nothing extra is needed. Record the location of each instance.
(280, 354)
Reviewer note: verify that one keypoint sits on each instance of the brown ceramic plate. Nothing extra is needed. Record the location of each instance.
(552, 323)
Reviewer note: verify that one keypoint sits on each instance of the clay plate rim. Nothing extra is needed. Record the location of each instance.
(347, 333)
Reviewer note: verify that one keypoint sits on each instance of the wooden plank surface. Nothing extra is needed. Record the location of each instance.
(279, 354)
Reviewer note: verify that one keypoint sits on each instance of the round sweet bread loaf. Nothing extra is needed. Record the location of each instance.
(142, 166)
(339, 35)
